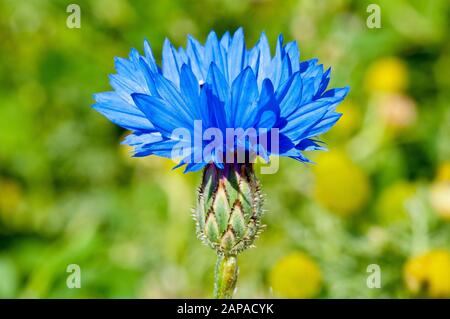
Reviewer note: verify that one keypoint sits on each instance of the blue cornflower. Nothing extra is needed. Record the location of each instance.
(221, 85)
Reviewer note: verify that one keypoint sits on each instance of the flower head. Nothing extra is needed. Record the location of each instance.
(233, 98)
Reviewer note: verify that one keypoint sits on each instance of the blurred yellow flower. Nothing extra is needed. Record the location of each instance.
(440, 198)
(443, 173)
(429, 273)
(389, 74)
(440, 191)
(296, 276)
(391, 205)
(351, 120)
(340, 185)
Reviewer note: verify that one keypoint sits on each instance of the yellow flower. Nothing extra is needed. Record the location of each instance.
(391, 205)
(296, 276)
(440, 198)
(351, 120)
(340, 185)
(440, 191)
(429, 273)
(443, 173)
(389, 74)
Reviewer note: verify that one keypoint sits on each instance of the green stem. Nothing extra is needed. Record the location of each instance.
(225, 276)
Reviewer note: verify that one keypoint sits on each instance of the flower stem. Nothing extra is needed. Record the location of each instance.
(225, 276)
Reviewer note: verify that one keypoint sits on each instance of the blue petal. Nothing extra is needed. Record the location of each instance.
(120, 112)
(286, 70)
(309, 145)
(277, 63)
(304, 118)
(329, 101)
(148, 76)
(124, 67)
(170, 63)
(168, 92)
(325, 124)
(190, 91)
(294, 55)
(268, 111)
(324, 83)
(236, 55)
(142, 138)
(163, 115)
(306, 65)
(165, 148)
(301, 158)
(195, 52)
(290, 94)
(254, 59)
(264, 69)
(217, 93)
(311, 82)
(124, 87)
(215, 53)
(149, 57)
(217, 82)
(225, 41)
(339, 93)
(182, 57)
(244, 92)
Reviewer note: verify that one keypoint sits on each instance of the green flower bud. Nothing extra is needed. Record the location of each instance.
(229, 208)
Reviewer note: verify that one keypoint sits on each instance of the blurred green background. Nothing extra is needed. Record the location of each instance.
(71, 194)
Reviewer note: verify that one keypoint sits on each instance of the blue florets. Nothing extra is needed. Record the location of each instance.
(216, 87)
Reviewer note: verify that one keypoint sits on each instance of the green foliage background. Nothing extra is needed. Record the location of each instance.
(70, 194)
